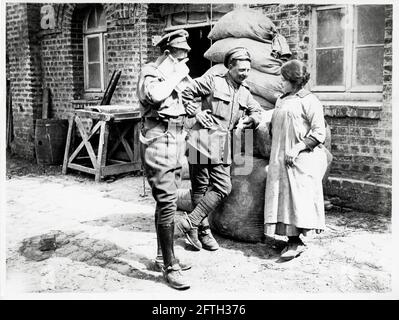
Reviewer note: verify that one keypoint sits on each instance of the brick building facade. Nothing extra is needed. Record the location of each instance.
(53, 58)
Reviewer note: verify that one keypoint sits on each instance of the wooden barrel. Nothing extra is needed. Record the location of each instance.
(50, 139)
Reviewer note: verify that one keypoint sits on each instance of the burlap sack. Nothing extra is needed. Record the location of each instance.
(260, 53)
(244, 23)
(265, 85)
(265, 104)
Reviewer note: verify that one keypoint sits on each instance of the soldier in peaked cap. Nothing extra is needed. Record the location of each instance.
(175, 39)
(163, 141)
(225, 100)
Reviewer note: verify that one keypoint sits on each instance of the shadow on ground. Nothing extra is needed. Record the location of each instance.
(268, 249)
(77, 246)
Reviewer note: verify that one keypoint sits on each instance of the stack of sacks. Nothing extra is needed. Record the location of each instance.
(253, 30)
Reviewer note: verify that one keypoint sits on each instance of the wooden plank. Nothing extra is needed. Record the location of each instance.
(102, 149)
(67, 145)
(81, 168)
(120, 168)
(127, 116)
(87, 143)
(77, 150)
(114, 161)
(93, 115)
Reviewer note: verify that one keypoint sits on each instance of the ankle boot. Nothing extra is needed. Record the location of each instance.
(206, 237)
(185, 226)
(171, 271)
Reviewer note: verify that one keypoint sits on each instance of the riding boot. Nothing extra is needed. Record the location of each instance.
(171, 271)
(159, 258)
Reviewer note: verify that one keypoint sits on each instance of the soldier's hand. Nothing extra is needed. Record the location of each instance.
(191, 108)
(249, 122)
(181, 70)
(204, 118)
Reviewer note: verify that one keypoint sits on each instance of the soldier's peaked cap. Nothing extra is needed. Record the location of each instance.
(175, 39)
(238, 53)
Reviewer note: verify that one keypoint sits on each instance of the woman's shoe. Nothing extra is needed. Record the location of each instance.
(292, 250)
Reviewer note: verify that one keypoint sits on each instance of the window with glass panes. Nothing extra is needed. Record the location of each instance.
(348, 49)
(94, 28)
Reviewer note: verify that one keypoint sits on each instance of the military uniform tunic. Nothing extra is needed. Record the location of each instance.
(227, 102)
(162, 142)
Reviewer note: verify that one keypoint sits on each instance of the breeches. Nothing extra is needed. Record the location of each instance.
(161, 155)
(216, 177)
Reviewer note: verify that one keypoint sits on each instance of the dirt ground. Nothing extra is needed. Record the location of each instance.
(100, 239)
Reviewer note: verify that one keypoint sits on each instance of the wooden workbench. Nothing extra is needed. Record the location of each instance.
(109, 147)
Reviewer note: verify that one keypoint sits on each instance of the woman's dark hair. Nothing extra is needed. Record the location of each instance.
(295, 71)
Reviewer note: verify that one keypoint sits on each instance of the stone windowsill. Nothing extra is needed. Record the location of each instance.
(353, 109)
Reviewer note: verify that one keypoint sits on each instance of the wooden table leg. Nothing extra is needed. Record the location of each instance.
(102, 149)
(68, 144)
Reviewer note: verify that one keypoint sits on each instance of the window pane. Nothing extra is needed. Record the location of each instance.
(329, 67)
(370, 24)
(93, 47)
(94, 75)
(369, 66)
(330, 30)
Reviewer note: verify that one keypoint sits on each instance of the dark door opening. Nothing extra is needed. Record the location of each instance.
(199, 43)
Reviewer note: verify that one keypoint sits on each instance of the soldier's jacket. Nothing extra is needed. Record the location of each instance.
(228, 102)
(170, 107)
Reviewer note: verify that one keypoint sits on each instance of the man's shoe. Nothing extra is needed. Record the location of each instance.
(191, 232)
(207, 240)
(174, 277)
(292, 250)
(158, 265)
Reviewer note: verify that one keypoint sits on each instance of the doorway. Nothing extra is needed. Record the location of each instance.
(199, 43)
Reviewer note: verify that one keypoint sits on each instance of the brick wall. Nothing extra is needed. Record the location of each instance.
(130, 27)
(24, 71)
(54, 59)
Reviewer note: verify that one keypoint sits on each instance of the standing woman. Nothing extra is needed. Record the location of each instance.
(294, 203)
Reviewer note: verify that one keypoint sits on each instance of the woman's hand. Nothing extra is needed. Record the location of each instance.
(291, 155)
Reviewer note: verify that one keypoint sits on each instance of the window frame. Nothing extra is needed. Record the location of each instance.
(99, 32)
(349, 90)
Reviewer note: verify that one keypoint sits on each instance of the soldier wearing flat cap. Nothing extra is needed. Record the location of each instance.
(162, 143)
(225, 100)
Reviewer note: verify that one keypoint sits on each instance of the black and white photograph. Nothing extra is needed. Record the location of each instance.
(199, 150)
